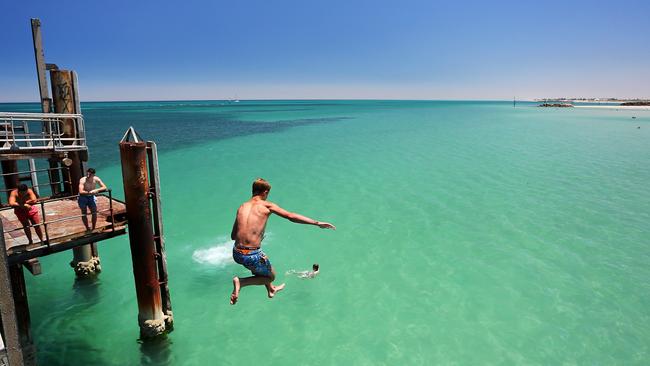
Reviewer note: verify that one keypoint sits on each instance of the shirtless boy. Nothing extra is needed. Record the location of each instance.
(87, 192)
(23, 199)
(248, 232)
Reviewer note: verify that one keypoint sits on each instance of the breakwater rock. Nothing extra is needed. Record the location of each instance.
(644, 103)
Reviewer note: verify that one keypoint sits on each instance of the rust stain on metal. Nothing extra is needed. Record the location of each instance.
(136, 189)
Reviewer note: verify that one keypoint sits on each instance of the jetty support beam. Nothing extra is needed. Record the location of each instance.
(159, 238)
(14, 311)
(137, 193)
(85, 261)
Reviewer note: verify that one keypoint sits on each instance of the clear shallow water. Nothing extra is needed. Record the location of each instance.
(468, 233)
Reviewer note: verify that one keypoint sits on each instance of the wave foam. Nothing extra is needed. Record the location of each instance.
(219, 255)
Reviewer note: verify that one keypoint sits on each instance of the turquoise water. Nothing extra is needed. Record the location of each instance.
(467, 233)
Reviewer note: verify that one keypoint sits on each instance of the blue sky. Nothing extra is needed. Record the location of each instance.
(202, 49)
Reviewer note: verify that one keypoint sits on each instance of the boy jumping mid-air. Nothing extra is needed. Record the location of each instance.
(248, 232)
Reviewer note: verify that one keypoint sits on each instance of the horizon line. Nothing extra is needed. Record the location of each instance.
(287, 99)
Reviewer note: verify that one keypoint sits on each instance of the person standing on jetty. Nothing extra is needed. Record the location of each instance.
(87, 198)
(248, 232)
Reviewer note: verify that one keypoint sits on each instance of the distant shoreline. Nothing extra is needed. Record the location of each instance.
(591, 100)
(613, 106)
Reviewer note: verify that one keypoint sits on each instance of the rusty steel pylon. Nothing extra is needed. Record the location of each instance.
(142, 196)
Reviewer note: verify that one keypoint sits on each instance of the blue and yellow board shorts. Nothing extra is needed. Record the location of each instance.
(255, 260)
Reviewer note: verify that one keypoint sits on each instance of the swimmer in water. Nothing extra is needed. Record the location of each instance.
(306, 274)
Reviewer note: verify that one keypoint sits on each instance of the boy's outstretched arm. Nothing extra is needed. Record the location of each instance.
(298, 218)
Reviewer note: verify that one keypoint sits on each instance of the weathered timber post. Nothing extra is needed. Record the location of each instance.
(22, 313)
(65, 102)
(14, 311)
(41, 67)
(85, 261)
(159, 238)
(8, 310)
(133, 154)
(46, 101)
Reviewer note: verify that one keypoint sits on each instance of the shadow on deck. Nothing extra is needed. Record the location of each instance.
(62, 227)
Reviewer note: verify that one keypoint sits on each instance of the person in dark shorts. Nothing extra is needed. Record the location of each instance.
(23, 200)
(87, 199)
(248, 232)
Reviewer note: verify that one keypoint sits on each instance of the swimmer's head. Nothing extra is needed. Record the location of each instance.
(315, 267)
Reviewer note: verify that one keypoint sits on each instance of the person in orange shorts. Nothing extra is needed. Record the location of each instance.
(23, 200)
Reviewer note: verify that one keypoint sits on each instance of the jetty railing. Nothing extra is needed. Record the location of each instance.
(42, 132)
(44, 222)
(60, 169)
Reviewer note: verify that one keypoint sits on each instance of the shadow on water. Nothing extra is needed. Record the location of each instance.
(87, 289)
(178, 125)
(172, 130)
(75, 351)
(156, 351)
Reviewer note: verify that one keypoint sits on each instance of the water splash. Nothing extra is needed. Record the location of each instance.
(219, 255)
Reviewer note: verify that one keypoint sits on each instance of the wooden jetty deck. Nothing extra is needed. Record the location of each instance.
(64, 227)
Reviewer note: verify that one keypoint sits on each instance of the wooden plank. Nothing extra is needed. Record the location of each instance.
(71, 228)
(60, 247)
(33, 266)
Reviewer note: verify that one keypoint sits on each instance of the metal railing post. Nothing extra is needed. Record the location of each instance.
(44, 223)
(13, 133)
(110, 205)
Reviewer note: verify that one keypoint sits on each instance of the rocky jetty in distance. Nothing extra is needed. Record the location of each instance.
(642, 103)
(591, 102)
(556, 105)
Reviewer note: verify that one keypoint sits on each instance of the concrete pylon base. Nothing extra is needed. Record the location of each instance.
(87, 269)
(152, 328)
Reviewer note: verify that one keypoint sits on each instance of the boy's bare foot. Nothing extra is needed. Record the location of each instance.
(275, 289)
(235, 290)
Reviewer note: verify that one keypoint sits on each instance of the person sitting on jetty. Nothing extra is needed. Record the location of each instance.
(87, 192)
(248, 232)
(306, 274)
(23, 200)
